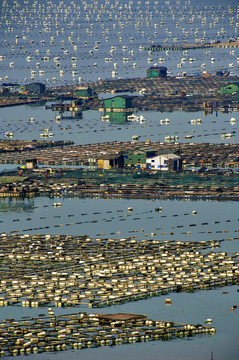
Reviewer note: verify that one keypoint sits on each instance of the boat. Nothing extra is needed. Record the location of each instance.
(223, 73)
(205, 73)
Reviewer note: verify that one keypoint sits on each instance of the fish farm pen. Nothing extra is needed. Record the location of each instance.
(217, 178)
(212, 155)
(190, 84)
(103, 271)
(62, 182)
(84, 330)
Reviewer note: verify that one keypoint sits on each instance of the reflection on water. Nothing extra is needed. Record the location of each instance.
(16, 205)
(148, 125)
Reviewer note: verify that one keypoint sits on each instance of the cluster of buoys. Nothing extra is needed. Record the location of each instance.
(56, 57)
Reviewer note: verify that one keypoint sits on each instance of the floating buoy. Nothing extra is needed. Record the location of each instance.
(168, 301)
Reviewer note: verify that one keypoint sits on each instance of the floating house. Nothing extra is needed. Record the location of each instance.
(137, 158)
(10, 87)
(111, 161)
(150, 159)
(230, 88)
(118, 103)
(83, 92)
(35, 88)
(164, 162)
(157, 72)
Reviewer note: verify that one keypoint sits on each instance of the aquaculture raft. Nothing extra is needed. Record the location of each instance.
(78, 270)
(83, 330)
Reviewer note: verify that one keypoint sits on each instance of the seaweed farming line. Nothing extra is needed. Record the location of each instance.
(85, 330)
(77, 270)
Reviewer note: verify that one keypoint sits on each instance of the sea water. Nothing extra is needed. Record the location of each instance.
(71, 42)
(90, 128)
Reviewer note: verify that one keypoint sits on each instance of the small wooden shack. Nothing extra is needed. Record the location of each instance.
(118, 103)
(83, 92)
(157, 72)
(164, 162)
(35, 88)
(111, 161)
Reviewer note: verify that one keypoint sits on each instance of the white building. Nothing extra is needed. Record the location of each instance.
(164, 162)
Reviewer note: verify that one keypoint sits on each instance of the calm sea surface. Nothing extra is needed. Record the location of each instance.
(91, 129)
(59, 43)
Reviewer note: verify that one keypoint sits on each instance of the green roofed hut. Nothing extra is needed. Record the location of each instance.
(118, 103)
(230, 88)
(137, 158)
(83, 92)
(157, 72)
(35, 88)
